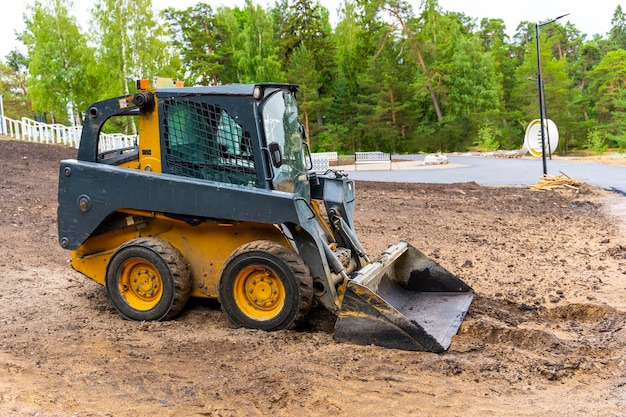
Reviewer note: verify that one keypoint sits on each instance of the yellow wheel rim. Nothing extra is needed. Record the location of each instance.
(140, 284)
(259, 293)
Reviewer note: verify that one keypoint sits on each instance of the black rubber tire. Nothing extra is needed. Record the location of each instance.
(280, 263)
(169, 274)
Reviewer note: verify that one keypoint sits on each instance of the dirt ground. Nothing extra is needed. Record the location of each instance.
(545, 334)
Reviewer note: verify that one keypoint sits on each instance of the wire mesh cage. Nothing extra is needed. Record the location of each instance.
(203, 141)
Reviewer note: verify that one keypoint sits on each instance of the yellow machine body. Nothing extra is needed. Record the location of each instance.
(205, 246)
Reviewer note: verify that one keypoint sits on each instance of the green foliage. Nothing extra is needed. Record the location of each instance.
(619, 139)
(329, 139)
(617, 35)
(488, 138)
(13, 74)
(388, 76)
(607, 92)
(58, 53)
(301, 72)
(595, 141)
(193, 33)
(257, 60)
(131, 45)
(228, 24)
(474, 87)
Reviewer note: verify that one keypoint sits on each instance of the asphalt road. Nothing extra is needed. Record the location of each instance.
(492, 171)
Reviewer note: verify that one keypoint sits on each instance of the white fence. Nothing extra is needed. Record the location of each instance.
(110, 141)
(34, 131)
(321, 160)
(371, 157)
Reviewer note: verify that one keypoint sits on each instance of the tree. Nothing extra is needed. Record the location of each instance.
(474, 88)
(345, 37)
(228, 24)
(13, 85)
(338, 132)
(301, 72)
(58, 60)
(257, 59)
(194, 35)
(131, 45)
(617, 35)
(524, 33)
(492, 33)
(608, 86)
(394, 116)
(495, 40)
(306, 23)
(427, 39)
(587, 57)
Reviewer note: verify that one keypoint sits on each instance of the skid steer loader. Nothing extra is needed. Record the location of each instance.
(216, 198)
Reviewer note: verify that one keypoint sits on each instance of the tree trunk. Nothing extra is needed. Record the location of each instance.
(430, 89)
(129, 122)
(306, 127)
(411, 36)
(392, 101)
(208, 35)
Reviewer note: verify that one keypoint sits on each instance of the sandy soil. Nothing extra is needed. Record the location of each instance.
(544, 336)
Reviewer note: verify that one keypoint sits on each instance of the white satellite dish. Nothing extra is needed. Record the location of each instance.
(532, 140)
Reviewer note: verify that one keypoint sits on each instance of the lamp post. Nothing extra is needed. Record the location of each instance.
(541, 92)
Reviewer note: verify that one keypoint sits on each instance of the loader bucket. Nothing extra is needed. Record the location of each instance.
(404, 300)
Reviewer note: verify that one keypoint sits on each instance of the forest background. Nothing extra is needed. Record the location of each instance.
(386, 77)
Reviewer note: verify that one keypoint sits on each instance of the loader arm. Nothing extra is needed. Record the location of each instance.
(403, 299)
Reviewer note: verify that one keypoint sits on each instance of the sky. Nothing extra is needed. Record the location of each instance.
(590, 17)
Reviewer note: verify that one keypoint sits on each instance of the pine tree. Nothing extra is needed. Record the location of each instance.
(59, 61)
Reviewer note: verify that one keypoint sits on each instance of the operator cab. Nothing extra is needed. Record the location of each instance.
(285, 139)
(245, 135)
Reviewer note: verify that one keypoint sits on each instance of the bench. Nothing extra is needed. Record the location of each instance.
(371, 157)
(321, 161)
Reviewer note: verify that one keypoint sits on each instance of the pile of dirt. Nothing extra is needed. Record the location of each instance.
(545, 334)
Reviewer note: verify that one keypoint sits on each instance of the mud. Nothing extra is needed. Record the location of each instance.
(544, 336)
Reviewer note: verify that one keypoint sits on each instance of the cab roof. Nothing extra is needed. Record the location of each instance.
(228, 89)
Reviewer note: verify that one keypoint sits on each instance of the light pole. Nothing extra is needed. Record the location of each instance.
(541, 93)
